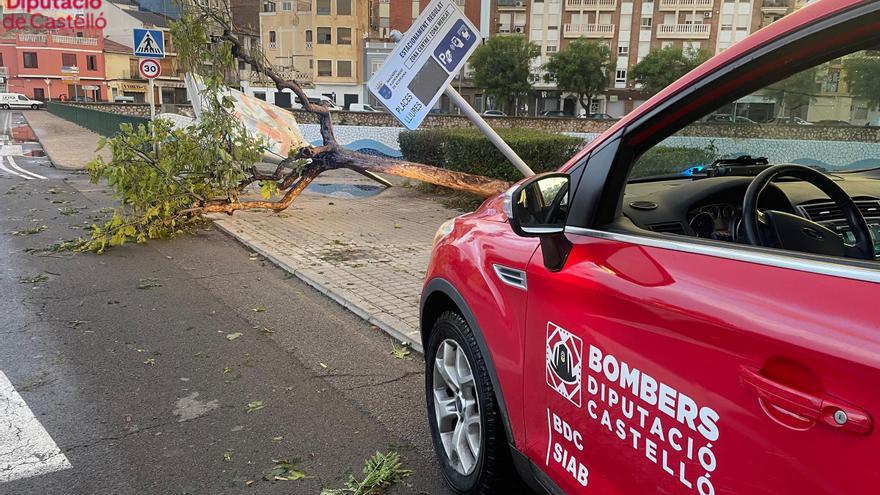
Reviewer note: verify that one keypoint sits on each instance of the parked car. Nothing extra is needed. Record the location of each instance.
(834, 123)
(720, 118)
(597, 116)
(18, 100)
(438, 111)
(791, 121)
(494, 113)
(553, 113)
(618, 327)
(318, 101)
(363, 107)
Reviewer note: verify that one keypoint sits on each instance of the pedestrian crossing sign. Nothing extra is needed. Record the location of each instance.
(149, 43)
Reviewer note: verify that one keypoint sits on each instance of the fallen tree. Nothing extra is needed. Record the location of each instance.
(167, 177)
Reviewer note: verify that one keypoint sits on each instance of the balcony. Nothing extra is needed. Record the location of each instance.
(684, 31)
(74, 40)
(588, 31)
(590, 4)
(32, 38)
(686, 4)
(774, 7)
(511, 5)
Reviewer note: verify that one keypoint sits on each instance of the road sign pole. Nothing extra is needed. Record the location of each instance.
(152, 106)
(490, 133)
(481, 124)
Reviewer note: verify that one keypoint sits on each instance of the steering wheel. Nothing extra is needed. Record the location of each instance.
(773, 228)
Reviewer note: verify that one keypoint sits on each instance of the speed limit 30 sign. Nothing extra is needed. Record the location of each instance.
(150, 69)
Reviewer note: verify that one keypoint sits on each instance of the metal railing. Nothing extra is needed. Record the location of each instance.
(104, 123)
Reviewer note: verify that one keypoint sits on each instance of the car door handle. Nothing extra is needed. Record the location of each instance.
(801, 411)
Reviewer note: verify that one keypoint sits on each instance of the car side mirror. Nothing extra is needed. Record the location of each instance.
(538, 207)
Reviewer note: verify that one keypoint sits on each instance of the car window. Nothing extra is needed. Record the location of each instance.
(826, 117)
(22, 98)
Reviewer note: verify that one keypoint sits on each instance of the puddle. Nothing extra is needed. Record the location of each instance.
(345, 190)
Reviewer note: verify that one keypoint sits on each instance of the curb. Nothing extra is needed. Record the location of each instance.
(55, 163)
(339, 298)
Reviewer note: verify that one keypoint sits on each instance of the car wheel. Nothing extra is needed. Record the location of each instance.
(35, 107)
(4, 106)
(466, 426)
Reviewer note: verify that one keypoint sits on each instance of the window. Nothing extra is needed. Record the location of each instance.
(287, 6)
(343, 36)
(269, 6)
(343, 68)
(91, 62)
(343, 7)
(1, 60)
(29, 60)
(646, 23)
(623, 51)
(271, 36)
(415, 9)
(322, 7)
(325, 68)
(68, 60)
(552, 48)
(620, 76)
(308, 36)
(324, 36)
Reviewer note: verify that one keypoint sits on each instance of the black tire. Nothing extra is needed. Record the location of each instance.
(4, 106)
(493, 472)
(35, 107)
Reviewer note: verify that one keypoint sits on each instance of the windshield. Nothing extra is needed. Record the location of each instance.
(825, 117)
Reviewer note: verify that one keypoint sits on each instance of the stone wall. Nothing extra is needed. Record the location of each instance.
(134, 109)
(567, 125)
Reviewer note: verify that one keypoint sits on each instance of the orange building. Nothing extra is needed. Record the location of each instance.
(56, 64)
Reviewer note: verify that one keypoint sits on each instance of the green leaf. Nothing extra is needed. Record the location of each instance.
(233, 336)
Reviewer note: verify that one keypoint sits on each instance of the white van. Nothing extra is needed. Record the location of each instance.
(18, 100)
(362, 107)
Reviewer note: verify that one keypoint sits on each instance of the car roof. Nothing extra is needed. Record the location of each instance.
(805, 15)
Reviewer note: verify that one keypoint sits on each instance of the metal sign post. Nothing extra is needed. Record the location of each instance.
(422, 65)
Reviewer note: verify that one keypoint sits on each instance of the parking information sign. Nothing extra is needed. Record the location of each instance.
(424, 62)
(149, 43)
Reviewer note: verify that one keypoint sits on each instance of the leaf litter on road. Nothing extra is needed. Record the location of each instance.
(381, 471)
(284, 470)
(30, 231)
(254, 406)
(233, 336)
(35, 279)
(400, 351)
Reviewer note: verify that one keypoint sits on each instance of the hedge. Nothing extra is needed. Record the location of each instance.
(468, 150)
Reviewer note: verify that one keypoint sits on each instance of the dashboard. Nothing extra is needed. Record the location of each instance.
(711, 208)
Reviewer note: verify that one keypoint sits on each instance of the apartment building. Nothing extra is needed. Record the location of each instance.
(318, 43)
(631, 29)
(54, 64)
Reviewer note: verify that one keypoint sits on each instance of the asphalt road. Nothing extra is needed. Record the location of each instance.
(125, 360)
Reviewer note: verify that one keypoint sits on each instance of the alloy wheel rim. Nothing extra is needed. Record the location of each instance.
(456, 407)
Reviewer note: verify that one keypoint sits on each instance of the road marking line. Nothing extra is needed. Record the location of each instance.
(26, 449)
(28, 172)
(3, 168)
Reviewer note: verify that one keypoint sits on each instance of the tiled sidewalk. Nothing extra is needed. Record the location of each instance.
(68, 146)
(367, 253)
